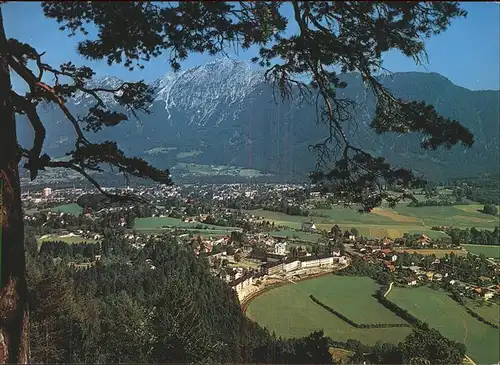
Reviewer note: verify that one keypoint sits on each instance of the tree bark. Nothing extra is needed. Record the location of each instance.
(13, 289)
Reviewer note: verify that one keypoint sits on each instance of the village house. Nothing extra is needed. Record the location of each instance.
(326, 260)
(316, 261)
(271, 268)
(478, 291)
(342, 260)
(309, 227)
(387, 241)
(424, 240)
(280, 248)
(238, 274)
(242, 282)
(384, 253)
(291, 265)
(488, 295)
(213, 257)
(438, 277)
(308, 262)
(270, 242)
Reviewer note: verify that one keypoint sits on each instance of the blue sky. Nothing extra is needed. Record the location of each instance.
(468, 53)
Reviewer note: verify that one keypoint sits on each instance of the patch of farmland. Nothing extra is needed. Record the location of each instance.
(451, 319)
(290, 312)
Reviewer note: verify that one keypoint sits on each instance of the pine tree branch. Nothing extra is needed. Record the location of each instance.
(37, 86)
(30, 110)
(112, 197)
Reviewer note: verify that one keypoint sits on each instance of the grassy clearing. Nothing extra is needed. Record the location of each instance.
(460, 216)
(67, 239)
(451, 319)
(72, 208)
(386, 221)
(381, 216)
(395, 216)
(193, 231)
(488, 251)
(156, 223)
(277, 216)
(472, 208)
(437, 252)
(486, 309)
(304, 236)
(390, 231)
(212, 232)
(159, 222)
(289, 311)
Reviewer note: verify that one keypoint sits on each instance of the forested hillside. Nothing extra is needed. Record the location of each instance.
(161, 304)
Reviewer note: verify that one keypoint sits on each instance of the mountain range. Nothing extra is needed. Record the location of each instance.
(223, 113)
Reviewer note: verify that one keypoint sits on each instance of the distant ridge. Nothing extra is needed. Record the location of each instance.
(226, 112)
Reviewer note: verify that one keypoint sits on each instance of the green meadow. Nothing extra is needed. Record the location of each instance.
(384, 221)
(290, 312)
(452, 320)
(486, 250)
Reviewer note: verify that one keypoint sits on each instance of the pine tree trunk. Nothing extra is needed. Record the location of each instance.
(13, 289)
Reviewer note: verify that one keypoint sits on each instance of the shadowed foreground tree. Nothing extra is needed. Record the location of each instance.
(349, 36)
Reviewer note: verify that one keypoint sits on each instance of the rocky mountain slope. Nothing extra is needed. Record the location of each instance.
(223, 113)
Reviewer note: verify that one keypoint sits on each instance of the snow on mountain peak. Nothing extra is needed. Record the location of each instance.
(223, 81)
(204, 92)
(109, 82)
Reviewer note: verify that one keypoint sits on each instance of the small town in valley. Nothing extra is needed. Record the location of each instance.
(275, 243)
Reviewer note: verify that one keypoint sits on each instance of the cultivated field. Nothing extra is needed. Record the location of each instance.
(460, 216)
(212, 232)
(437, 252)
(193, 231)
(486, 309)
(488, 251)
(388, 222)
(299, 235)
(66, 239)
(72, 208)
(451, 319)
(153, 224)
(290, 312)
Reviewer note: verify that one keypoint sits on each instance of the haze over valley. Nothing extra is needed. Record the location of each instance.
(223, 113)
